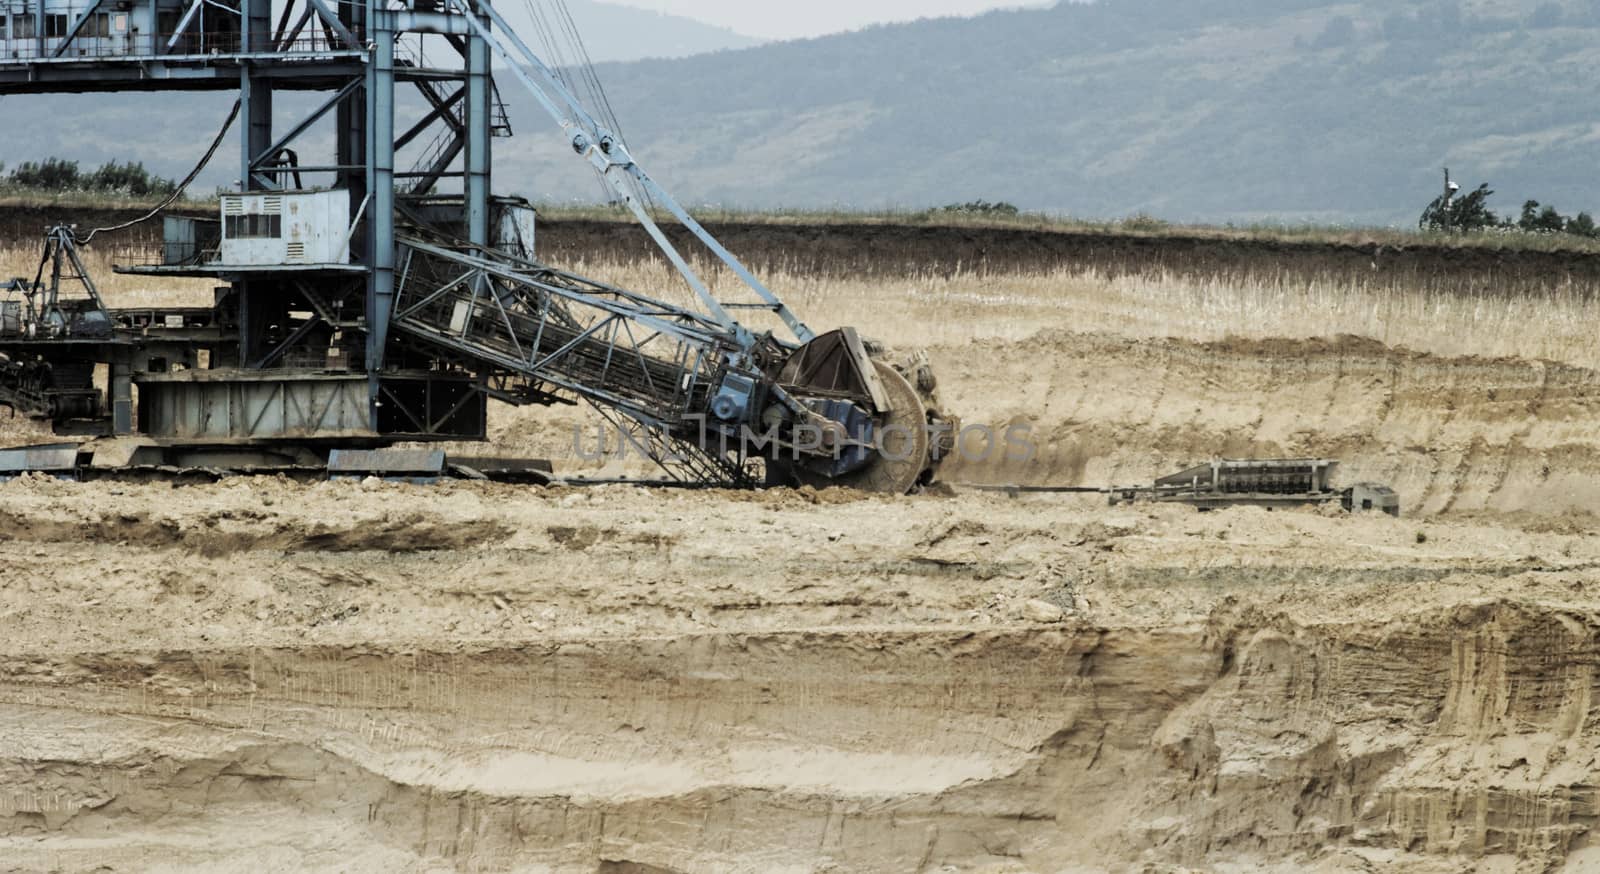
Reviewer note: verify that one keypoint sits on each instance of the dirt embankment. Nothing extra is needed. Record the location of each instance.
(884, 250)
(587, 681)
(1451, 434)
(24, 226)
(863, 249)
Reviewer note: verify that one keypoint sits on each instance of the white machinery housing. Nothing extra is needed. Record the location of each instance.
(291, 227)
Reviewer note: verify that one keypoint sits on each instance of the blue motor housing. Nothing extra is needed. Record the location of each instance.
(857, 452)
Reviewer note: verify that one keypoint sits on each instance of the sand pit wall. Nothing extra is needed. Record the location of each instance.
(1248, 739)
(1451, 434)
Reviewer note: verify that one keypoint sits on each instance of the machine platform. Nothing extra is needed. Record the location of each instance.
(146, 459)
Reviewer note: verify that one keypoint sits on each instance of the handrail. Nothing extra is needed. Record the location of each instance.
(154, 46)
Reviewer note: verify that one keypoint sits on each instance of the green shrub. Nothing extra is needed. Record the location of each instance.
(1469, 212)
(981, 207)
(1145, 222)
(131, 177)
(1545, 220)
(51, 174)
(60, 175)
(1539, 219)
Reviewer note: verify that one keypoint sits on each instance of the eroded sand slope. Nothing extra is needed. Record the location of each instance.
(260, 675)
(1451, 434)
(553, 680)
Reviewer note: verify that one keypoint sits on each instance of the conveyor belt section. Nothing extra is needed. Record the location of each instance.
(649, 366)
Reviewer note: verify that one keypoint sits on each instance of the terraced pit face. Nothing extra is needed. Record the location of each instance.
(623, 680)
(260, 675)
(1452, 435)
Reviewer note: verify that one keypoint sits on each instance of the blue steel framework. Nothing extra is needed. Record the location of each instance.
(448, 319)
(351, 53)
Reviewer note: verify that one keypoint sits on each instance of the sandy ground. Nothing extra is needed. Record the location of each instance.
(1456, 436)
(491, 678)
(269, 676)
(262, 675)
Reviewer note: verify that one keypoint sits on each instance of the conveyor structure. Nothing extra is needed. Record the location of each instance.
(381, 293)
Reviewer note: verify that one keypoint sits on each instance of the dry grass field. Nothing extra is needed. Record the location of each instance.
(943, 308)
(375, 677)
(21, 200)
(1135, 226)
(120, 291)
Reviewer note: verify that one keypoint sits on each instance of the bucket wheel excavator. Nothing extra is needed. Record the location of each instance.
(721, 384)
(708, 396)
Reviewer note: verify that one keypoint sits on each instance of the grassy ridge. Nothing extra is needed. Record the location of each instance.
(1137, 226)
(29, 198)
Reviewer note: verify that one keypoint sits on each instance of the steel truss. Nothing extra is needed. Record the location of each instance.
(445, 320)
(654, 362)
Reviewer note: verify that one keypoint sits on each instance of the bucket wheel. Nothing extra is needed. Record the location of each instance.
(902, 453)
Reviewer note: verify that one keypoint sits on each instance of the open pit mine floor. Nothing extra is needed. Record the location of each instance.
(260, 675)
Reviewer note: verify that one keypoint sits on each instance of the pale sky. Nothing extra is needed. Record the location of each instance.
(790, 19)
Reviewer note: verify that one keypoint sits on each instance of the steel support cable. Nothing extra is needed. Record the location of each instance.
(181, 187)
(580, 68)
(601, 100)
(541, 25)
(548, 42)
(558, 43)
(577, 125)
(550, 38)
(585, 66)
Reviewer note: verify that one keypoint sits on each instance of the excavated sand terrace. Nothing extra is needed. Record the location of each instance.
(270, 676)
(263, 675)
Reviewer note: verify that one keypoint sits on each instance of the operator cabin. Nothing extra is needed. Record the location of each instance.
(113, 28)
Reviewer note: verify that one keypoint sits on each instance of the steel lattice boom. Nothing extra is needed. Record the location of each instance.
(378, 292)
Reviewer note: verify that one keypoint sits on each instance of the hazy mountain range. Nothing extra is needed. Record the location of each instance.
(1224, 110)
(612, 32)
(1221, 110)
